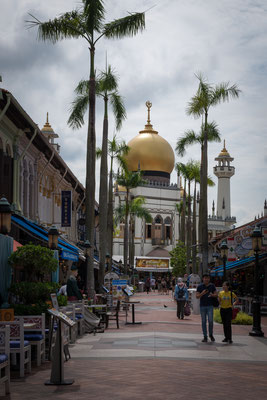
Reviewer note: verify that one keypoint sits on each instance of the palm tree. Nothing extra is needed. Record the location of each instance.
(190, 137)
(207, 96)
(179, 208)
(181, 169)
(195, 173)
(130, 180)
(88, 23)
(107, 88)
(136, 209)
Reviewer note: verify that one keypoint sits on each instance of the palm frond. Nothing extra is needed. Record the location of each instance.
(78, 109)
(190, 137)
(94, 12)
(68, 25)
(108, 80)
(213, 133)
(224, 92)
(118, 107)
(210, 181)
(98, 153)
(126, 26)
(82, 87)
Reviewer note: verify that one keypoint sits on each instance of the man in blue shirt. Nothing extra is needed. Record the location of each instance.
(205, 292)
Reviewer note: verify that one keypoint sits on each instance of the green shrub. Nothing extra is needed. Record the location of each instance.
(32, 309)
(32, 292)
(62, 300)
(241, 318)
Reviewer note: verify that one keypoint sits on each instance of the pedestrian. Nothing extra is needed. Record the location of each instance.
(159, 284)
(147, 284)
(173, 285)
(205, 292)
(73, 291)
(163, 285)
(227, 299)
(153, 284)
(181, 296)
(168, 285)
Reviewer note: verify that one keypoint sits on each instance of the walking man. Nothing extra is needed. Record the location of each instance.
(181, 296)
(205, 292)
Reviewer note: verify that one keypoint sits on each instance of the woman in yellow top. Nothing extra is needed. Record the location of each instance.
(227, 299)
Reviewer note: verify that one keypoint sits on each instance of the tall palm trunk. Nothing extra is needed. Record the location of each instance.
(131, 241)
(110, 211)
(194, 232)
(189, 229)
(103, 198)
(90, 178)
(204, 200)
(126, 233)
(183, 214)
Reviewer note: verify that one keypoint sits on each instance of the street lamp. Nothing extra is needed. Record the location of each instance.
(224, 253)
(87, 246)
(5, 216)
(256, 245)
(53, 235)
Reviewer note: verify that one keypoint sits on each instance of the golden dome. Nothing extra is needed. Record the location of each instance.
(224, 152)
(149, 151)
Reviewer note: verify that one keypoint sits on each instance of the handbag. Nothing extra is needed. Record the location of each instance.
(187, 310)
(215, 302)
(235, 311)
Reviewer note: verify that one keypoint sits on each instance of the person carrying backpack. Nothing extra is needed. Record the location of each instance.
(181, 296)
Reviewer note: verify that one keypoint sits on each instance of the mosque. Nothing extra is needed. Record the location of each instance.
(152, 154)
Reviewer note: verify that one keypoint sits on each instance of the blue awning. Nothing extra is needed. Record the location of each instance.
(69, 252)
(235, 264)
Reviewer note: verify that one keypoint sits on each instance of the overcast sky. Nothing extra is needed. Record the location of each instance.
(224, 39)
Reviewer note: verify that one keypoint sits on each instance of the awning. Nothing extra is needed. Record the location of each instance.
(69, 252)
(236, 264)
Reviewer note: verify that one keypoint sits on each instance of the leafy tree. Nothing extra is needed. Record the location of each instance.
(107, 88)
(207, 96)
(88, 23)
(178, 259)
(36, 260)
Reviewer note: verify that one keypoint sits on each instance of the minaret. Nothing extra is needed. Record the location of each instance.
(50, 134)
(224, 171)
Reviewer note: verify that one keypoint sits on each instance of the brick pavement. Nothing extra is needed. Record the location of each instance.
(178, 365)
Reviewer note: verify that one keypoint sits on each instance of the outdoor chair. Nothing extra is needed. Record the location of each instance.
(5, 358)
(36, 335)
(113, 315)
(19, 346)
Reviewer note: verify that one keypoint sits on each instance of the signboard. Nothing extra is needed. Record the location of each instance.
(67, 255)
(54, 300)
(231, 249)
(117, 290)
(66, 208)
(61, 316)
(146, 264)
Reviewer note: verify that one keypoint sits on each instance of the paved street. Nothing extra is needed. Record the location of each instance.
(163, 357)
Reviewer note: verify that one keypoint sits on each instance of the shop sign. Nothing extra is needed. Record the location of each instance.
(152, 263)
(66, 208)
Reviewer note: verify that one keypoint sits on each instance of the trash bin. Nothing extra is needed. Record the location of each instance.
(194, 301)
(141, 286)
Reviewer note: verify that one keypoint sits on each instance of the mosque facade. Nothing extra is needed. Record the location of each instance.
(153, 155)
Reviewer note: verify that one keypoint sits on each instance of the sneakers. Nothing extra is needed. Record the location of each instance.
(225, 340)
(205, 339)
(212, 338)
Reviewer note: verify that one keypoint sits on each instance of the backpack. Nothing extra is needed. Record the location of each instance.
(181, 293)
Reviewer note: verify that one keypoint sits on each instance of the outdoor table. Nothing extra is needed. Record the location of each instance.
(133, 312)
